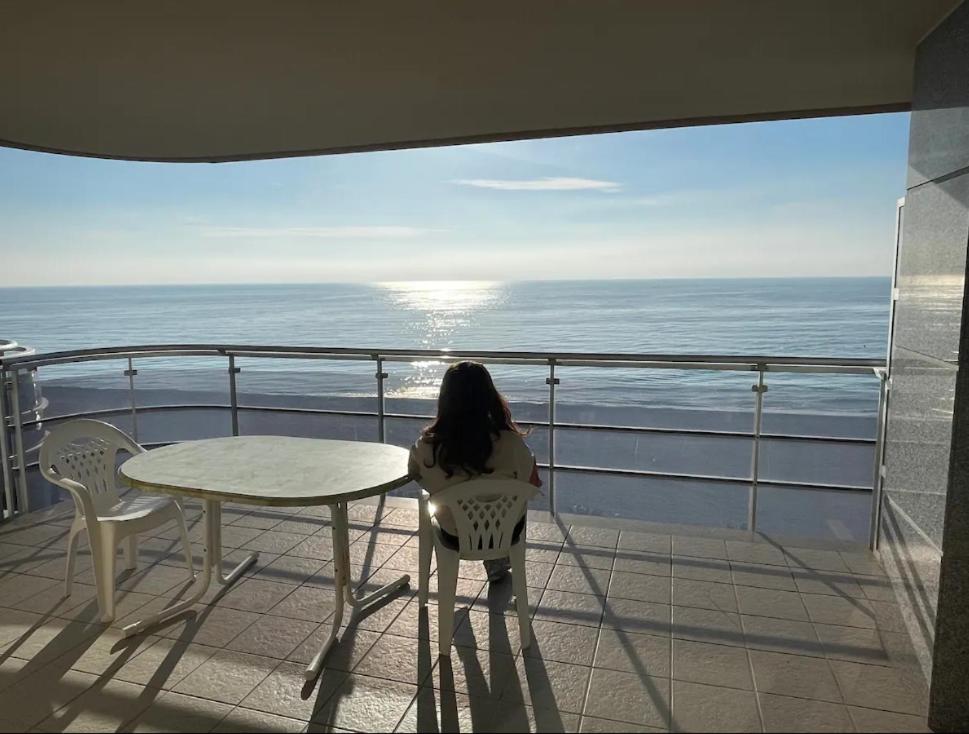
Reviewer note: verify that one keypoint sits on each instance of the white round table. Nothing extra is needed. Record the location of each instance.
(275, 471)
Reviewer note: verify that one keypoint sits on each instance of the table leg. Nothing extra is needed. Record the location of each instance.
(342, 585)
(226, 578)
(211, 558)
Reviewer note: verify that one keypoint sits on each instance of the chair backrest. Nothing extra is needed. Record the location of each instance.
(81, 455)
(485, 512)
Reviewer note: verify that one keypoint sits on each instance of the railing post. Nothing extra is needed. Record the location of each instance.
(551, 381)
(130, 374)
(874, 520)
(7, 474)
(18, 435)
(759, 389)
(381, 376)
(233, 395)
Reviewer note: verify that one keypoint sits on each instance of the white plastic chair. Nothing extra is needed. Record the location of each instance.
(485, 512)
(80, 456)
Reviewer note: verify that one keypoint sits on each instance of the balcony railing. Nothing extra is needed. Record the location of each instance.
(17, 422)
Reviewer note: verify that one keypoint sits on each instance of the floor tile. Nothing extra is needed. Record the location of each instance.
(366, 704)
(794, 675)
(564, 606)
(871, 720)
(702, 569)
(577, 579)
(592, 725)
(345, 653)
(874, 686)
(707, 625)
(637, 616)
(771, 603)
(273, 637)
(715, 665)
(285, 692)
(863, 563)
(256, 595)
(165, 664)
(704, 595)
(487, 632)
(839, 610)
(651, 564)
(827, 582)
(543, 684)
(764, 553)
(781, 635)
(763, 576)
(821, 560)
(588, 535)
(476, 673)
(652, 542)
(241, 719)
(629, 697)
(38, 695)
(318, 547)
(633, 653)
(294, 570)
(563, 643)
(227, 676)
(416, 622)
(785, 714)
(854, 644)
(105, 706)
(698, 707)
(175, 712)
(698, 547)
(270, 541)
(395, 658)
(309, 603)
(640, 587)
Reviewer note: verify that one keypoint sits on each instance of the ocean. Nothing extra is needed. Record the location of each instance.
(839, 317)
(834, 317)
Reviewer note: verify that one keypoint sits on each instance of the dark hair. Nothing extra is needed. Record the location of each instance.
(471, 413)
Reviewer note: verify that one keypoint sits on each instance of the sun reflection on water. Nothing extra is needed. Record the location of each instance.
(442, 311)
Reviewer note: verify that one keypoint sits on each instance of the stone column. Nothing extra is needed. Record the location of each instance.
(925, 521)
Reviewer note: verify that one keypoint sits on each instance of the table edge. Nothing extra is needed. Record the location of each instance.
(309, 501)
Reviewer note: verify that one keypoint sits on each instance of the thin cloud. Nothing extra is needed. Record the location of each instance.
(348, 232)
(541, 184)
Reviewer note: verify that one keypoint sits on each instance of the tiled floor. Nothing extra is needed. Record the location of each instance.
(633, 631)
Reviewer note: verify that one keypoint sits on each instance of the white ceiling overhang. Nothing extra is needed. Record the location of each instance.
(239, 79)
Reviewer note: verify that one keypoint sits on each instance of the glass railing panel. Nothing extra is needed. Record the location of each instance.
(826, 406)
(702, 421)
(82, 387)
(186, 380)
(307, 425)
(816, 514)
(314, 398)
(649, 499)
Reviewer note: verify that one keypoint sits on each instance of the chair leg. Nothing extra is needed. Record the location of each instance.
(72, 541)
(520, 587)
(425, 548)
(447, 583)
(131, 553)
(104, 551)
(186, 544)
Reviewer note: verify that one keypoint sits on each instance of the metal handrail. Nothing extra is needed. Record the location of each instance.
(571, 359)
(758, 364)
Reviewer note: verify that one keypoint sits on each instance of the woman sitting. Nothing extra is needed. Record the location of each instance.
(472, 436)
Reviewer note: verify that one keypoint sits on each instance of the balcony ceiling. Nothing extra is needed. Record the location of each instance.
(237, 79)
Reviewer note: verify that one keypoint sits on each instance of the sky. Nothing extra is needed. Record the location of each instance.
(771, 199)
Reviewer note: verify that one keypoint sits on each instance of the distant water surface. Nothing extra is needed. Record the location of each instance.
(840, 317)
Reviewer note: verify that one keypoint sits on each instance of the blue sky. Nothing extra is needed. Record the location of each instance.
(791, 198)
